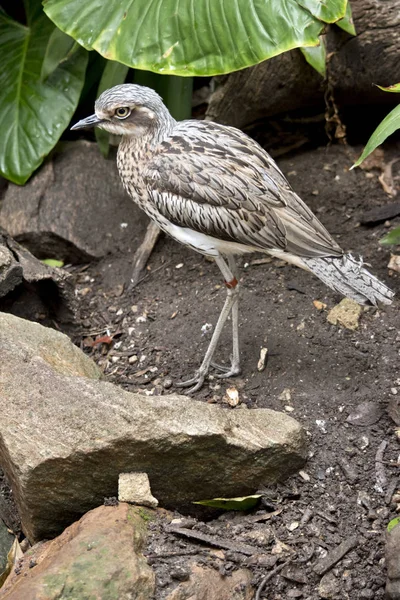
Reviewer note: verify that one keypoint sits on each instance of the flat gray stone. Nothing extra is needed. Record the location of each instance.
(65, 436)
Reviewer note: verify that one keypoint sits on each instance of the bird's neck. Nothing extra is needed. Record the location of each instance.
(135, 151)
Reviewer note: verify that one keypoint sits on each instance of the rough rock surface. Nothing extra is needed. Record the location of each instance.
(99, 556)
(29, 287)
(65, 439)
(6, 541)
(207, 584)
(393, 563)
(73, 208)
(135, 488)
(287, 82)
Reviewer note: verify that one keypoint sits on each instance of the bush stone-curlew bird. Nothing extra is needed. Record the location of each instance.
(214, 189)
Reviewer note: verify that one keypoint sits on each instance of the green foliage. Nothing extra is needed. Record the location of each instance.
(34, 111)
(241, 503)
(347, 22)
(53, 262)
(393, 523)
(388, 126)
(201, 38)
(43, 67)
(392, 238)
(316, 56)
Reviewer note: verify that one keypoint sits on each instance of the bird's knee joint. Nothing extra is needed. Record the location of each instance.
(231, 285)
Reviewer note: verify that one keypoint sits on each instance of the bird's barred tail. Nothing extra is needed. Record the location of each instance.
(348, 277)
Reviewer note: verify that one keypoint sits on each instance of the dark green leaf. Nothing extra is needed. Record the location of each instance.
(316, 57)
(187, 38)
(60, 48)
(391, 88)
(393, 523)
(33, 113)
(114, 73)
(328, 11)
(392, 238)
(241, 503)
(388, 126)
(347, 23)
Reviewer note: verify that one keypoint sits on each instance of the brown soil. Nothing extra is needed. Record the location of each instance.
(317, 371)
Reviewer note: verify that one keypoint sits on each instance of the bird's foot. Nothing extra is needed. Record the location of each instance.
(196, 381)
(225, 371)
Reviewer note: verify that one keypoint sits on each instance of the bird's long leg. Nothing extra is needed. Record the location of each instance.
(231, 299)
(234, 368)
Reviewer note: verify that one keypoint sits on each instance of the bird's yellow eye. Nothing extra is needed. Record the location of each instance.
(122, 112)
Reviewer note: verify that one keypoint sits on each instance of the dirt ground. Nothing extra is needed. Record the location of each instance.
(318, 372)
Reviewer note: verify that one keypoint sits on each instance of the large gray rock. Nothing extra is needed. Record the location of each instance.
(65, 437)
(74, 208)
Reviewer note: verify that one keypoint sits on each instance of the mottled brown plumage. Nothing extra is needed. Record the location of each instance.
(214, 189)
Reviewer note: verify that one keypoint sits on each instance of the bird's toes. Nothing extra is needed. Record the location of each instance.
(221, 368)
(231, 372)
(196, 381)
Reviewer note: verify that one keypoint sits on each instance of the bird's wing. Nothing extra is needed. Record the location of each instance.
(216, 180)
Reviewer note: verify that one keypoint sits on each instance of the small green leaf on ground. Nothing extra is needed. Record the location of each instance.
(389, 125)
(53, 262)
(392, 238)
(393, 523)
(347, 23)
(316, 56)
(240, 503)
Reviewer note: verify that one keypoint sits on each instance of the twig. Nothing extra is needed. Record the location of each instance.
(326, 563)
(270, 575)
(143, 253)
(381, 480)
(212, 540)
(153, 271)
(390, 490)
(173, 554)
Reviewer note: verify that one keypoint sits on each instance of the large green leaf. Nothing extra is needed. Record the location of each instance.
(388, 126)
(329, 11)
(316, 57)
(347, 23)
(193, 37)
(33, 113)
(60, 47)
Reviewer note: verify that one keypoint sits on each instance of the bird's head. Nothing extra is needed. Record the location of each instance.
(127, 110)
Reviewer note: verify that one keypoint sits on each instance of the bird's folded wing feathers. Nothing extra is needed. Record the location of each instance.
(216, 180)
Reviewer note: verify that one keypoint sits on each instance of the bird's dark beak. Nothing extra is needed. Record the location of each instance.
(91, 121)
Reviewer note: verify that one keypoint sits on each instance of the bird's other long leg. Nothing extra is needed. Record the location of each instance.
(232, 292)
(234, 368)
